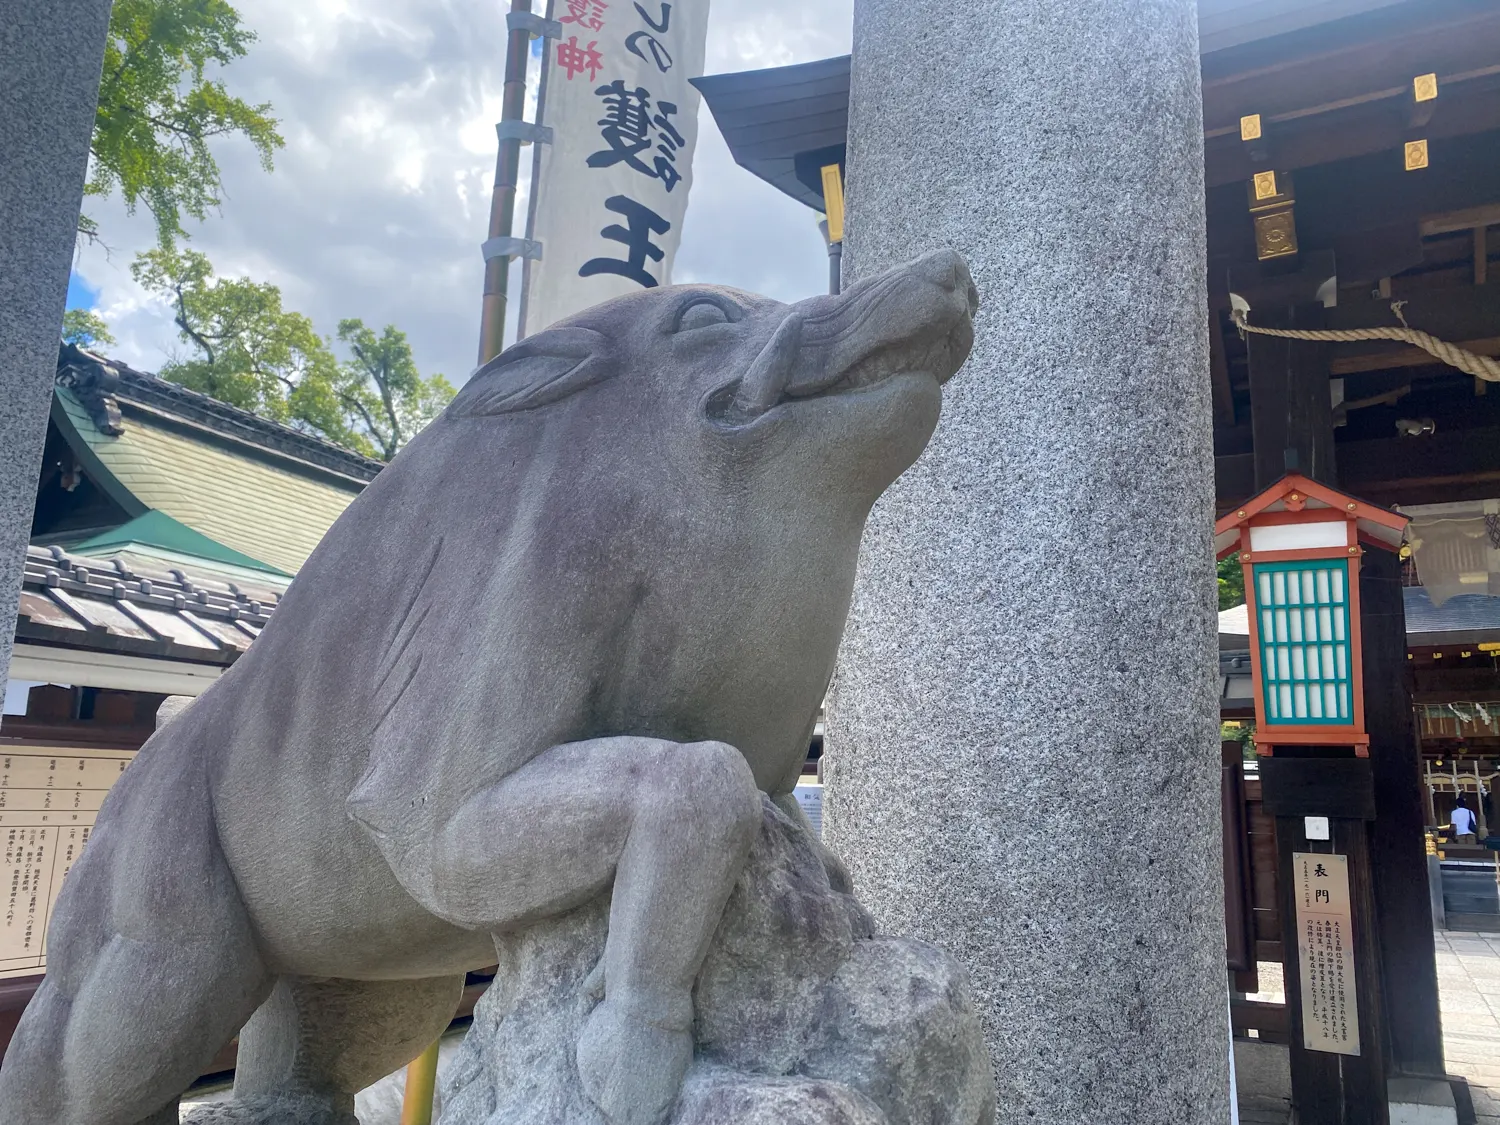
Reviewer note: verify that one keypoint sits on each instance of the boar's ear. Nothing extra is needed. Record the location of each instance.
(541, 369)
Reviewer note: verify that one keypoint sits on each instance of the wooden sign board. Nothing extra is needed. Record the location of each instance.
(49, 797)
(1325, 953)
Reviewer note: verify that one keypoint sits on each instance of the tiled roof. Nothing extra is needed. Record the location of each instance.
(157, 533)
(1473, 618)
(109, 604)
(102, 383)
(257, 487)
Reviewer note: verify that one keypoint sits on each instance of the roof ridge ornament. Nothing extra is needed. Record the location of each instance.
(94, 382)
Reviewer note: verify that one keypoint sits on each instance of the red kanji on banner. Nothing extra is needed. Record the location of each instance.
(586, 13)
(575, 59)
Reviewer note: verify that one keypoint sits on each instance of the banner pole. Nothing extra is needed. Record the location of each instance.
(537, 155)
(503, 201)
(421, 1085)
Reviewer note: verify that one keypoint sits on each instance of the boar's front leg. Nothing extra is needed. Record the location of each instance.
(671, 825)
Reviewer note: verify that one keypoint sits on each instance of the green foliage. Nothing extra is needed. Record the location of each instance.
(1242, 732)
(385, 395)
(1231, 582)
(252, 353)
(159, 108)
(85, 327)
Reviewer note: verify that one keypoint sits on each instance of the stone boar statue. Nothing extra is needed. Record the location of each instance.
(561, 644)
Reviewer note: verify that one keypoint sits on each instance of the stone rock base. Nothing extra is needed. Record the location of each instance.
(264, 1111)
(804, 1017)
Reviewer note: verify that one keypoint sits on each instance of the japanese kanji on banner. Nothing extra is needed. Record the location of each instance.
(611, 190)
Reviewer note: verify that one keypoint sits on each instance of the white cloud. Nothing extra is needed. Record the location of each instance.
(380, 199)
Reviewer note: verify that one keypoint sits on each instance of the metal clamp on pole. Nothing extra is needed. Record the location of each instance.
(538, 27)
(523, 131)
(511, 247)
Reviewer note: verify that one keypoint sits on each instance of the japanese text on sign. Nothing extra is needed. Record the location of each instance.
(1325, 953)
(624, 122)
(48, 800)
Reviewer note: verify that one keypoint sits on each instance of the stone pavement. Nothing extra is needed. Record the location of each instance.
(1468, 966)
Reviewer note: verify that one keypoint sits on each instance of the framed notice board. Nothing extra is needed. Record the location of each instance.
(49, 797)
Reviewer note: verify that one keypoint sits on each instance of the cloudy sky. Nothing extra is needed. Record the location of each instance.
(380, 198)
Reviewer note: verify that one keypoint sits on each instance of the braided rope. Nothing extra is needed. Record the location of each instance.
(1480, 366)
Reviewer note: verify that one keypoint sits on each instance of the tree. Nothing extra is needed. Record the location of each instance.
(1231, 582)
(252, 353)
(382, 390)
(85, 328)
(158, 109)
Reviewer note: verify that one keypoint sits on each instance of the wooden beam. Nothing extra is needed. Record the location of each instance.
(1343, 132)
(1459, 313)
(1449, 465)
(1367, 195)
(1218, 369)
(1267, 1019)
(1379, 52)
(1291, 410)
(1466, 219)
(1481, 254)
(1399, 355)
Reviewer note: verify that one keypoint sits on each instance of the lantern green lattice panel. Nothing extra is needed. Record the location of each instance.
(1305, 660)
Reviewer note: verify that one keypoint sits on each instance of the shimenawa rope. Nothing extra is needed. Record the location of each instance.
(1480, 366)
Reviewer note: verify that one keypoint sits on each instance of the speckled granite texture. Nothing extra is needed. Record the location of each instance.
(1022, 751)
(50, 56)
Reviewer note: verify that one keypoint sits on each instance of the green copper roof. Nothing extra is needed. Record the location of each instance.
(258, 505)
(161, 531)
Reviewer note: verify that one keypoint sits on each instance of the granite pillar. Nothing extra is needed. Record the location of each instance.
(50, 58)
(1034, 612)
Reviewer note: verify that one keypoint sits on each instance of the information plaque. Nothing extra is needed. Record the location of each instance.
(49, 797)
(1325, 953)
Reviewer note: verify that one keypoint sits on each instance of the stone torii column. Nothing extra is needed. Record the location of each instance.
(1036, 595)
(50, 58)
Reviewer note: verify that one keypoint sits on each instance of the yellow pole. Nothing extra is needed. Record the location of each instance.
(421, 1084)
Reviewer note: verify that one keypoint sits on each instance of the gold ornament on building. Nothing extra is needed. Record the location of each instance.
(1272, 200)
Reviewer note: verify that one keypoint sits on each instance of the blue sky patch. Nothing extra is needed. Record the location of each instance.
(81, 295)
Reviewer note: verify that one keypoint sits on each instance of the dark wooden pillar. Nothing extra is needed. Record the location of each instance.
(1291, 409)
(1397, 851)
(1292, 421)
(1327, 1088)
(1290, 403)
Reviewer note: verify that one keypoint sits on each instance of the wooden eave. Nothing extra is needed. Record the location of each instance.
(1344, 89)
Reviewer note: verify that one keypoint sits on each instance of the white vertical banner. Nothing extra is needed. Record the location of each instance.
(610, 192)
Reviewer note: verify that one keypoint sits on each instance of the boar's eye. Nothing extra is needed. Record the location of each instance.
(702, 313)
